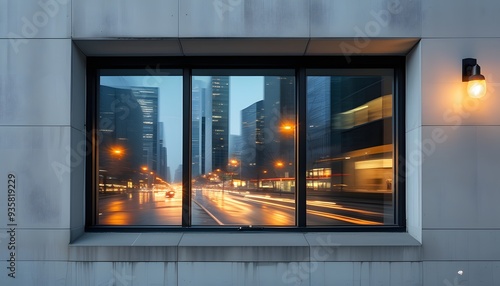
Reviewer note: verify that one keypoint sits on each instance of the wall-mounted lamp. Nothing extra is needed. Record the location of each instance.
(471, 73)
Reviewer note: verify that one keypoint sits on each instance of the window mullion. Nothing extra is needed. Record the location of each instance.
(399, 125)
(300, 141)
(186, 149)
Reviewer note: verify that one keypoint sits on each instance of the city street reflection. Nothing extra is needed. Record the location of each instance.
(140, 208)
(243, 149)
(140, 140)
(232, 208)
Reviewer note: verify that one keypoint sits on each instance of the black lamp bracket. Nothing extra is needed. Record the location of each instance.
(467, 67)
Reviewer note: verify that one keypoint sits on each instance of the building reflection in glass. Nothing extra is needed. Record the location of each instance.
(134, 131)
(240, 149)
(243, 149)
(349, 142)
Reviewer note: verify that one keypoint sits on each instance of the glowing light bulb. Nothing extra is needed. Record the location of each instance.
(476, 88)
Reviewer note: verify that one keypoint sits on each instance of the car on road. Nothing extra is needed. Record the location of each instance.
(170, 194)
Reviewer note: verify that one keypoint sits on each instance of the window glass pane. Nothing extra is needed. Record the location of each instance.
(243, 148)
(349, 147)
(140, 148)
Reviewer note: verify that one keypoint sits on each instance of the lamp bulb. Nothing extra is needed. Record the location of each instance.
(476, 88)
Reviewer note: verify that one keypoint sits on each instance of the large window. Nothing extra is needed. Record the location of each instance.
(246, 143)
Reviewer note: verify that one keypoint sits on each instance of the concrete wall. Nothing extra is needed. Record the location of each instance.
(452, 141)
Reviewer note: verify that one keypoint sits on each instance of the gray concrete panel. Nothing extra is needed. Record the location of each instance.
(452, 18)
(39, 245)
(124, 18)
(35, 19)
(461, 244)
(451, 273)
(35, 82)
(122, 253)
(462, 194)
(238, 18)
(363, 273)
(243, 247)
(365, 19)
(239, 273)
(38, 159)
(43, 273)
(120, 273)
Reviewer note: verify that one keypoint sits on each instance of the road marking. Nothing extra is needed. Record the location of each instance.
(209, 213)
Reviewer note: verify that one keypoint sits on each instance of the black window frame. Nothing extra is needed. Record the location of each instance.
(298, 63)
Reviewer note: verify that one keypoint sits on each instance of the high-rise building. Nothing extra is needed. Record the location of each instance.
(220, 121)
(318, 120)
(147, 97)
(197, 93)
(201, 127)
(168, 176)
(235, 146)
(279, 110)
(134, 113)
(319, 135)
(252, 126)
(121, 136)
(178, 174)
(161, 153)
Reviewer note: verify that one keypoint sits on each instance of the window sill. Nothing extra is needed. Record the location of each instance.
(245, 247)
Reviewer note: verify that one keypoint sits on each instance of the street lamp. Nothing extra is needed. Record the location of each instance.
(235, 163)
(287, 127)
(146, 175)
(117, 151)
(118, 171)
(279, 165)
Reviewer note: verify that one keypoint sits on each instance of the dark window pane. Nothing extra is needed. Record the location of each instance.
(243, 148)
(140, 148)
(349, 148)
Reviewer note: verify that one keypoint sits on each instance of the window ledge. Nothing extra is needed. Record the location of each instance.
(245, 247)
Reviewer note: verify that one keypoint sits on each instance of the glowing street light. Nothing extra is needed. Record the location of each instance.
(287, 128)
(118, 151)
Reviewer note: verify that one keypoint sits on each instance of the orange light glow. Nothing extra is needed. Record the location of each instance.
(287, 127)
(476, 88)
(117, 151)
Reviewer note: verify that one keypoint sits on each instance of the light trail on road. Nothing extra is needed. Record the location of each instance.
(323, 204)
(239, 205)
